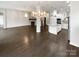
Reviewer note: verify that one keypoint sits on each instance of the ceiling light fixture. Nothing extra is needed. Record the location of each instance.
(54, 12)
(39, 14)
(68, 1)
(26, 15)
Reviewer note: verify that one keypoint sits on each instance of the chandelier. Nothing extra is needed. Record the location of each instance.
(39, 14)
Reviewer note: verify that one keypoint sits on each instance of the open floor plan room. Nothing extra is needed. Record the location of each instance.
(38, 29)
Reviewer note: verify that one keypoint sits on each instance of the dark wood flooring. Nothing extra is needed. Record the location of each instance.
(25, 42)
(1, 28)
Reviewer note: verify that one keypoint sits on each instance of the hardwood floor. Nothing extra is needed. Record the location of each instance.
(25, 42)
(0, 28)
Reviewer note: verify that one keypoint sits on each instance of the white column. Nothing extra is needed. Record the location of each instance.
(53, 25)
(47, 19)
(38, 21)
(38, 25)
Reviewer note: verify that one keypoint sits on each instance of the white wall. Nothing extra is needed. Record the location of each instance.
(4, 17)
(1, 20)
(74, 24)
(16, 18)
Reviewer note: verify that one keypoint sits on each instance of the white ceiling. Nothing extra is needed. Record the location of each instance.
(31, 5)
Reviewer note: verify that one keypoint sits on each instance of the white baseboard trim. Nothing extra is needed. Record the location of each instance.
(74, 44)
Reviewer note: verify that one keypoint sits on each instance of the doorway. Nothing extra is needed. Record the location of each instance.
(1, 21)
(43, 24)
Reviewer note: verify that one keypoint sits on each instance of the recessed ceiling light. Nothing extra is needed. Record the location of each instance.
(68, 1)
